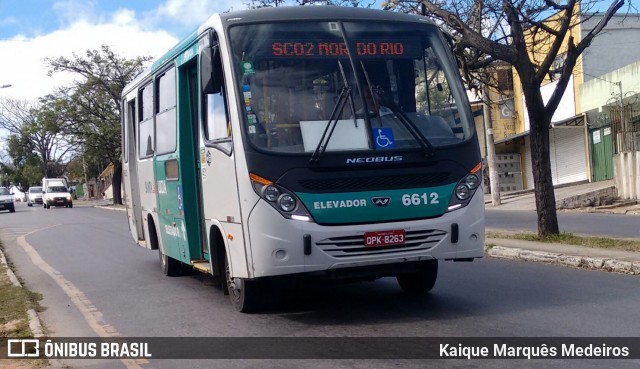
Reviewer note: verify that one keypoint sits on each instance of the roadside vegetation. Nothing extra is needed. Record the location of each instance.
(572, 239)
(14, 320)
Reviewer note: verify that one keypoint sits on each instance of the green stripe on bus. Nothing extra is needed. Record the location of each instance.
(377, 206)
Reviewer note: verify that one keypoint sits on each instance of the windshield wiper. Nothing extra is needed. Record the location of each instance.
(383, 99)
(345, 94)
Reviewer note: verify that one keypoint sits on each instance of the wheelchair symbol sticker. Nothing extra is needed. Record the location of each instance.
(383, 137)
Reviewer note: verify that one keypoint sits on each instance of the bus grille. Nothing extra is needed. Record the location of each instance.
(347, 246)
(374, 182)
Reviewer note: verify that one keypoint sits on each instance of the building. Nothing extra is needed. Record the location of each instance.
(575, 120)
(612, 105)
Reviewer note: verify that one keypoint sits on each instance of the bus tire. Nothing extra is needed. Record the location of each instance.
(170, 266)
(420, 281)
(244, 294)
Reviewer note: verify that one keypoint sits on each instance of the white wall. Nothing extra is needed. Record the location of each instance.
(566, 108)
(626, 168)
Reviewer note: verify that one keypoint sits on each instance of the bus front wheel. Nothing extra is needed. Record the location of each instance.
(420, 281)
(244, 293)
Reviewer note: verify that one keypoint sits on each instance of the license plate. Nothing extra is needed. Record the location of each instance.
(384, 238)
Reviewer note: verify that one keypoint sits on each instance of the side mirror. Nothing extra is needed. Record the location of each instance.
(452, 46)
(210, 70)
(450, 40)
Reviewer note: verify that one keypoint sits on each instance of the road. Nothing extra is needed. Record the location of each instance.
(96, 282)
(595, 224)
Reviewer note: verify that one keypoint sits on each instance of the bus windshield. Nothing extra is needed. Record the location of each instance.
(399, 89)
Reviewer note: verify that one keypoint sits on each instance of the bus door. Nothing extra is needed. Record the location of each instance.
(174, 169)
(167, 169)
(220, 197)
(130, 170)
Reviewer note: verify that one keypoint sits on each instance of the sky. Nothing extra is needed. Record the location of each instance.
(32, 30)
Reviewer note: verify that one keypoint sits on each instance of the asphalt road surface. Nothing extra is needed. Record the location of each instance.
(96, 282)
(594, 224)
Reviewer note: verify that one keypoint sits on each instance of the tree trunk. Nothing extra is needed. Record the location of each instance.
(116, 184)
(541, 162)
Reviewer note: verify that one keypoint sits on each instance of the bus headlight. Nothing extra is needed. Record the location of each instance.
(472, 181)
(462, 192)
(286, 202)
(465, 189)
(280, 198)
(270, 192)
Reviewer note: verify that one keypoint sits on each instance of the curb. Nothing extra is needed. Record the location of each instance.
(34, 321)
(109, 207)
(602, 264)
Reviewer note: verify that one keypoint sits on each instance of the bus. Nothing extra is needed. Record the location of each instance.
(304, 143)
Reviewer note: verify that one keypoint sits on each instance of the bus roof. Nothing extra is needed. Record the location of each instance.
(316, 13)
(291, 13)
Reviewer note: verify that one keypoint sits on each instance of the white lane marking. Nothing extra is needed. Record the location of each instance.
(89, 311)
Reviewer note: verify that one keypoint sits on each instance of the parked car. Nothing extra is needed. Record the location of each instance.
(6, 200)
(34, 196)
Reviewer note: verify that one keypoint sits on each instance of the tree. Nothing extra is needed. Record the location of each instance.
(34, 129)
(91, 105)
(23, 169)
(515, 32)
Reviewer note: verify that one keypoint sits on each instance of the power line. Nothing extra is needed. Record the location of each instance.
(602, 79)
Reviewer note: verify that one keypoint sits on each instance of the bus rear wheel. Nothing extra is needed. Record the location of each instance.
(420, 281)
(245, 294)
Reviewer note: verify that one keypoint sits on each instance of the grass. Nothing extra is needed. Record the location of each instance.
(572, 239)
(14, 320)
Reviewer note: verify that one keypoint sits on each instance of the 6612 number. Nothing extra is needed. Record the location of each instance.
(420, 199)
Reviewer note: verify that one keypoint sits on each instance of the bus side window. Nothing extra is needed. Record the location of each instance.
(218, 125)
(166, 112)
(125, 133)
(146, 140)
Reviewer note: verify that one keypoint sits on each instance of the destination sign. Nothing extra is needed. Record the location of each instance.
(316, 48)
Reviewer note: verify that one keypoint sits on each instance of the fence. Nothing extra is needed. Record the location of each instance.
(625, 127)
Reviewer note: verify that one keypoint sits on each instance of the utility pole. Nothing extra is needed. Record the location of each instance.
(622, 120)
(619, 84)
(494, 180)
(86, 183)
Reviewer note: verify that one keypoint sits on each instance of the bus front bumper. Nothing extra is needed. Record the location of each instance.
(282, 246)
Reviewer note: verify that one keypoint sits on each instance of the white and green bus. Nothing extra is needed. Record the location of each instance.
(293, 143)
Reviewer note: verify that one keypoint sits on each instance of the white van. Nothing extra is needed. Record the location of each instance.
(55, 192)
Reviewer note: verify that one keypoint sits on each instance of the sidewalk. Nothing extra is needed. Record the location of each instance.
(525, 200)
(103, 204)
(627, 262)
